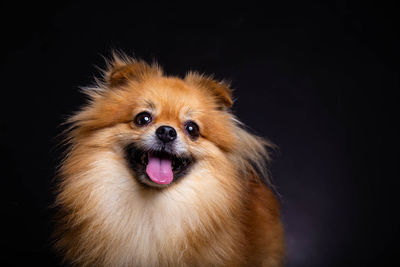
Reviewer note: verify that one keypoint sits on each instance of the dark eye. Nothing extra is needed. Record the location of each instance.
(143, 119)
(192, 129)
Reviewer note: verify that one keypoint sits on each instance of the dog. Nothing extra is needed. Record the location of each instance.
(159, 172)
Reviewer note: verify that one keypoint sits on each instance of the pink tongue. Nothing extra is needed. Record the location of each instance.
(159, 169)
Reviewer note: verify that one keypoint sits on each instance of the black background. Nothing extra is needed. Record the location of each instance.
(318, 79)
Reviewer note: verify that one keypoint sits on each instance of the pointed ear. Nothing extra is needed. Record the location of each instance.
(219, 90)
(123, 69)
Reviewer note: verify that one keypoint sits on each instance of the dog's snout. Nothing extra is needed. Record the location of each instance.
(166, 133)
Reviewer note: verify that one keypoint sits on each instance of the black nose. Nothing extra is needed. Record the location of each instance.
(166, 133)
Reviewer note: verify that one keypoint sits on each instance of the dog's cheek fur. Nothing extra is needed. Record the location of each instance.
(218, 128)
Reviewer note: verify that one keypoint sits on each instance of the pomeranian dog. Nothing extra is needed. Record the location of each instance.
(159, 172)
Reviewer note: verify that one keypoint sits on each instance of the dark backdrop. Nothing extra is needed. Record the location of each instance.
(316, 79)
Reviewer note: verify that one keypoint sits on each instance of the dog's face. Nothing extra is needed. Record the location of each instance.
(162, 126)
(172, 123)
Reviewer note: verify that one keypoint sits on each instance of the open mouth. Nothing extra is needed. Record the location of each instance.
(157, 168)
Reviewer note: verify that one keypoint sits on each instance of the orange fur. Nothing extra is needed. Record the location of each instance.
(219, 214)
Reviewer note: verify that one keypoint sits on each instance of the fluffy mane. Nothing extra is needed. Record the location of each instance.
(107, 219)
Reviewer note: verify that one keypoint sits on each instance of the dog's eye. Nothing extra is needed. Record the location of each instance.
(143, 119)
(192, 129)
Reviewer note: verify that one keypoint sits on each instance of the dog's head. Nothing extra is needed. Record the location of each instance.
(162, 125)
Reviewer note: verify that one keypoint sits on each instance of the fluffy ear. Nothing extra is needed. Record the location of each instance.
(219, 90)
(122, 69)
